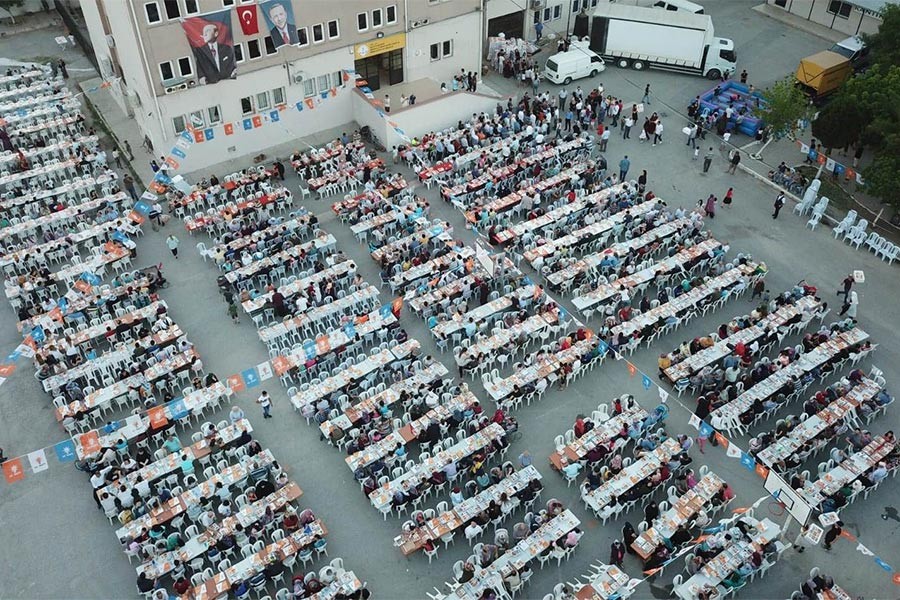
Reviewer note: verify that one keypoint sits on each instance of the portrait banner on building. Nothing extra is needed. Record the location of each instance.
(279, 16)
(212, 42)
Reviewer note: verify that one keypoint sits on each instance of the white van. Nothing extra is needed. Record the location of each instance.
(676, 5)
(580, 61)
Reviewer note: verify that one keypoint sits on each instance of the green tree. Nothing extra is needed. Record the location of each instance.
(840, 123)
(884, 46)
(882, 177)
(784, 105)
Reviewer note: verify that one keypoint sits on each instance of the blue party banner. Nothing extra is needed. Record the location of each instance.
(384, 311)
(705, 429)
(883, 564)
(65, 451)
(248, 124)
(251, 377)
(748, 461)
(350, 330)
(274, 116)
(647, 382)
(178, 152)
(309, 348)
(142, 207)
(208, 133)
(299, 106)
(177, 409)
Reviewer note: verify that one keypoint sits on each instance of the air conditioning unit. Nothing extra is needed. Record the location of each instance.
(419, 23)
(538, 4)
(106, 67)
(300, 76)
(172, 89)
(110, 41)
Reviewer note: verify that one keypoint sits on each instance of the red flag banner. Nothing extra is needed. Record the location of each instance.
(7, 370)
(229, 128)
(90, 443)
(199, 137)
(762, 471)
(236, 383)
(310, 103)
(632, 370)
(249, 19)
(397, 306)
(257, 121)
(158, 418)
(13, 471)
(722, 439)
(323, 345)
(281, 365)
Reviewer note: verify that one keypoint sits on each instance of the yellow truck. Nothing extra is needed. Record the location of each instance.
(824, 72)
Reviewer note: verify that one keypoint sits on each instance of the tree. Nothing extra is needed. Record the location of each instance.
(882, 177)
(840, 123)
(784, 104)
(884, 46)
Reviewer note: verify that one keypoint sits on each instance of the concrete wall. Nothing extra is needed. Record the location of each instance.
(293, 124)
(431, 115)
(464, 32)
(857, 22)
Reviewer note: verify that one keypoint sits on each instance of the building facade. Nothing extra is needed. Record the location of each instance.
(517, 18)
(852, 17)
(166, 82)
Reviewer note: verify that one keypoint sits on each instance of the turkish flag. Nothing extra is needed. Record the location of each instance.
(248, 19)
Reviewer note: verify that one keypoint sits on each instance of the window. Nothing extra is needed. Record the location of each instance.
(322, 83)
(557, 11)
(781, 3)
(179, 124)
(253, 49)
(841, 9)
(151, 9)
(165, 71)
(447, 49)
(302, 37)
(362, 21)
(334, 31)
(435, 51)
(548, 12)
(594, 3)
(247, 106)
(214, 115)
(537, 17)
(184, 67)
(575, 6)
(238, 53)
(278, 96)
(227, 2)
(390, 14)
(337, 79)
(196, 118)
(309, 88)
(270, 46)
(173, 11)
(262, 101)
(318, 33)
(376, 18)
(191, 7)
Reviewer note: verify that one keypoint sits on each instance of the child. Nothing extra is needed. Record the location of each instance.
(233, 312)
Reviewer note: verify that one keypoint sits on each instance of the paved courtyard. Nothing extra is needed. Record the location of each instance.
(54, 543)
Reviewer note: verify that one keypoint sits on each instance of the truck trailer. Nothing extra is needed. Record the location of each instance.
(642, 38)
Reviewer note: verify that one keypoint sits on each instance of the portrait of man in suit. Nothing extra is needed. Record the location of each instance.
(280, 16)
(212, 44)
(215, 61)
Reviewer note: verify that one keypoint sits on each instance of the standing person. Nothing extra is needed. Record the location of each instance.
(624, 165)
(154, 166)
(387, 103)
(627, 123)
(117, 157)
(646, 98)
(265, 401)
(848, 283)
(744, 76)
(172, 243)
(734, 160)
(851, 301)
(832, 534)
(279, 168)
(539, 30)
(128, 182)
(729, 196)
(642, 181)
(779, 203)
(128, 151)
(233, 312)
(657, 133)
(562, 99)
(801, 542)
(707, 160)
(617, 554)
(857, 155)
(62, 69)
(710, 207)
(692, 136)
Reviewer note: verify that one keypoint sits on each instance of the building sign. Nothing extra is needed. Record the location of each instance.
(379, 46)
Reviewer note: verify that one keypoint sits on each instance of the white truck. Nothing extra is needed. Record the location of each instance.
(642, 38)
